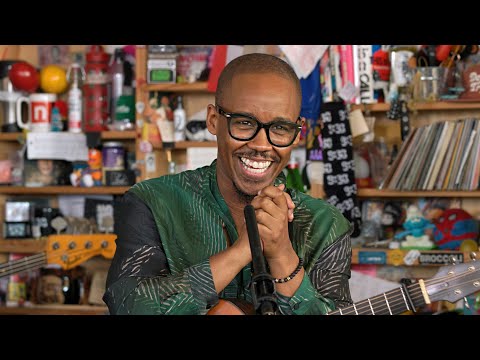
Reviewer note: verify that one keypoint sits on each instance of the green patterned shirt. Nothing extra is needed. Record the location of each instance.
(168, 227)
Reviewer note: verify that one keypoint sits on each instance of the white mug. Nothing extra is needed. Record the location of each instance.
(39, 112)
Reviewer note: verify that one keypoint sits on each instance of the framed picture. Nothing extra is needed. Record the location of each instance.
(53, 54)
(46, 172)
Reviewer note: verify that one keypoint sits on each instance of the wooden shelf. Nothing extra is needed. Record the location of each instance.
(177, 87)
(55, 309)
(106, 135)
(61, 190)
(372, 193)
(23, 245)
(189, 144)
(16, 136)
(119, 135)
(427, 106)
(397, 257)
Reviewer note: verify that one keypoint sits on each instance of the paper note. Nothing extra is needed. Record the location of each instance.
(198, 157)
(57, 146)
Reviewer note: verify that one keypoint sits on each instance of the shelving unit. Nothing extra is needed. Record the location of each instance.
(105, 135)
(54, 309)
(23, 245)
(378, 193)
(397, 257)
(177, 87)
(423, 106)
(63, 190)
(10, 142)
(196, 97)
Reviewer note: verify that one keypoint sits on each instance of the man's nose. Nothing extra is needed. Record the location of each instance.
(260, 142)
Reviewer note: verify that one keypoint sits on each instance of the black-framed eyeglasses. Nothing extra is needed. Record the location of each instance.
(244, 127)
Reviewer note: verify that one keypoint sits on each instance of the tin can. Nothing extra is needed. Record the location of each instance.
(113, 157)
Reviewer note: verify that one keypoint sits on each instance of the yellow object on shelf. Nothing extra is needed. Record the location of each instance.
(53, 79)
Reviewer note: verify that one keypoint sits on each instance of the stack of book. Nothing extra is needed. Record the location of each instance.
(439, 156)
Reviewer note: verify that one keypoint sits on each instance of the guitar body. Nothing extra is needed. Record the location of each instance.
(232, 307)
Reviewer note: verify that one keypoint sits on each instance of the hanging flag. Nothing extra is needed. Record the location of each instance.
(221, 56)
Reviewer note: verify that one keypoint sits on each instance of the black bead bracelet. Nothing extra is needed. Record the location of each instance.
(292, 275)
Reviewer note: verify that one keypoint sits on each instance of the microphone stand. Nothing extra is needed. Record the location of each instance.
(263, 286)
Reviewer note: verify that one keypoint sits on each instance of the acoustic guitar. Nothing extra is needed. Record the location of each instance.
(451, 283)
(65, 250)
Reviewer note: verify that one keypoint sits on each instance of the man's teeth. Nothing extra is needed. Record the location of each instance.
(257, 167)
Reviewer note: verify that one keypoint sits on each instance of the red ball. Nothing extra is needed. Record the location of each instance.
(24, 77)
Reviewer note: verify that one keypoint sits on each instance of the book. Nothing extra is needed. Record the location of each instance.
(418, 166)
(396, 168)
(460, 126)
(440, 154)
(448, 156)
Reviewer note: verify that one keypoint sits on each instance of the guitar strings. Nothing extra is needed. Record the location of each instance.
(398, 300)
(33, 262)
(22, 264)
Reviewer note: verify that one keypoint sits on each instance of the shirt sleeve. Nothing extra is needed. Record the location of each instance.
(326, 287)
(139, 279)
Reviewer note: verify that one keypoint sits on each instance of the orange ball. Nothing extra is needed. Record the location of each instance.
(53, 79)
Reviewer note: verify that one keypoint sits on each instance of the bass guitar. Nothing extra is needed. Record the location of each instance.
(65, 250)
(451, 283)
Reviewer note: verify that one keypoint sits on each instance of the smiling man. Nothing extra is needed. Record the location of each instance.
(182, 242)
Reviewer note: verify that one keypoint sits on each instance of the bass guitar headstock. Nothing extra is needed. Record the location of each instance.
(70, 250)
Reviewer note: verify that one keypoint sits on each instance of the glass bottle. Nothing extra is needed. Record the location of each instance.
(117, 78)
(179, 120)
(294, 178)
(75, 75)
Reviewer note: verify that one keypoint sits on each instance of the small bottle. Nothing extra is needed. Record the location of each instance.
(179, 120)
(57, 124)
(117, 78)
(75, 74)
(294, 178)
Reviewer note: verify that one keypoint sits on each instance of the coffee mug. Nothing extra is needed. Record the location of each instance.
(39, 112)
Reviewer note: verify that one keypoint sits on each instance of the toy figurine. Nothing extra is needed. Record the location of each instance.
(415, 226)
(90, 174)
(453, 227)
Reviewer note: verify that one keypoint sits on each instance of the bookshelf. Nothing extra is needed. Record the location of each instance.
(392, 194)
(422, 106)
(55, 309)
(196, 97)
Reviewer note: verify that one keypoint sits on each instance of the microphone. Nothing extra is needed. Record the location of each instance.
(263, 286)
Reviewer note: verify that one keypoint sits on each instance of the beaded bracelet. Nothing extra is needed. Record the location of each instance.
(292, 275)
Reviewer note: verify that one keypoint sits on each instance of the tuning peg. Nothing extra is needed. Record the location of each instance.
(467, 305)
(452, 260)
(473, 256)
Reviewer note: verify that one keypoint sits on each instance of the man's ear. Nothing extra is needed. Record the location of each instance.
(212, 117)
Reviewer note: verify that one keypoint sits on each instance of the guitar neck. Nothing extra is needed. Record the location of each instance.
(24, 264)
(392, 302)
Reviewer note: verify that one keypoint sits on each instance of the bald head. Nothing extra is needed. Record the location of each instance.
(255, 63)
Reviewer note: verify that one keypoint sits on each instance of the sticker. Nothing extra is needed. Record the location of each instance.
(431, 258)
(145, 146)
(140, 107)
(411, 257)
(395, 257)
(372, 257)
(150, 163)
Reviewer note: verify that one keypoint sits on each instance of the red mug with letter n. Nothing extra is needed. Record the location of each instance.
(39, 112)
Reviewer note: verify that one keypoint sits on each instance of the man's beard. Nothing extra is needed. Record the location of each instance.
(246, 198)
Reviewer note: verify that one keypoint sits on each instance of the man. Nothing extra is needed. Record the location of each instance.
(182, 241)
